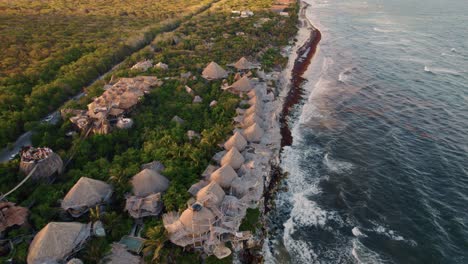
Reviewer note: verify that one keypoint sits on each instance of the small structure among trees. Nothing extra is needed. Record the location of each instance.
(148, 186)
(11, 215)
(57, 241)
(110, 107)
(85, 194)
(214, 72)
(41, 162)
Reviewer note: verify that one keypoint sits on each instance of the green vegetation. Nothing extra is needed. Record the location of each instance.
(50, 50)
(116, 157)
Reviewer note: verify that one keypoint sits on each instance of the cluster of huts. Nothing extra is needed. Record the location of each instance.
(214, 213)
(220, 199)
(59, 240)
(109, 109)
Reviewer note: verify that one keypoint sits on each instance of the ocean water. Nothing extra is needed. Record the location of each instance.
(378, 170)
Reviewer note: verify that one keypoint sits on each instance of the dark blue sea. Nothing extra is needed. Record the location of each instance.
(378, 170)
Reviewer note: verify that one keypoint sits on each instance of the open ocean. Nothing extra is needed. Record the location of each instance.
(378, 170)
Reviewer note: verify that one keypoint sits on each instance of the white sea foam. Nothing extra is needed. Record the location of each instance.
(336, 166)
(363, 254)
(391, 234)
(437, 70)
(357, 233)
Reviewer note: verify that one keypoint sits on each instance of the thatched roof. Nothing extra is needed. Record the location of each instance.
(143, 65)
(197, 222)
(45, 167)
(148, 182)
(154, 165)
(139, 207)
(233, 158)
(86, 193)
(213, 72)
(207, 172)
(56, 241)
(196, 187)
(11, 215)
(178, 120)
(211, 195)
(120, 255)
(244, 64)
(242, 85)
(237, 140)
(251, 119)
(224, 176)
(197, 99)
(253, 133)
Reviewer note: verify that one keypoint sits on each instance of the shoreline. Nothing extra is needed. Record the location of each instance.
(304, 54)
(291, 93)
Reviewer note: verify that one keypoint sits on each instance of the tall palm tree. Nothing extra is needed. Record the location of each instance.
(157, 237)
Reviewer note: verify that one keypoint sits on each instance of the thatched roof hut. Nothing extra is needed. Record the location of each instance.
(178, 120)
(138, 207)
(211, 195)
(224, 176)
(161, 66)
(253, 133)
(143, 65)
(233, 158)
(44, 160)
(86, 193)
(213, 72)
(56, 241)
(251, 119)
(197, 99)
(11, 215)
(197, 220)
(244, 64)
(154, 165)
(236, 140)
(147, 182)
(120, 255)
(242, 85)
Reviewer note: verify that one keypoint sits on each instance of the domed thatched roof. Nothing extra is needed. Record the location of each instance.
(149, 181)
(211, 195)
(242, 85)
(251, 119)
(45, 167)
(56, 241)
(237, 140)
(253, 133)
(86, 193)
(213, 72)
(197, 222)
(233, 158)
(244, 64)
(224, 176)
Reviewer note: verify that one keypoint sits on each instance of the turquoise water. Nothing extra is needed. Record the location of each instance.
(379, 163)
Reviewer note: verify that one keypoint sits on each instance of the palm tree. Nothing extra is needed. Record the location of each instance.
(157, 237)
